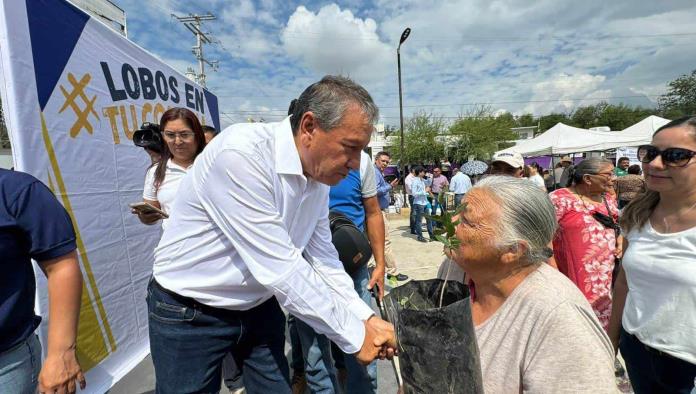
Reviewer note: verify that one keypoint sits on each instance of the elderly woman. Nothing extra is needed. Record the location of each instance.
(535, 330)
(585, 247)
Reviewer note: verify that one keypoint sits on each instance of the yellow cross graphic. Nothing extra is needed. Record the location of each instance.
(82, 114)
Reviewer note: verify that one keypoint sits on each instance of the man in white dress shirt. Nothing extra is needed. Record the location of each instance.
(249, 233)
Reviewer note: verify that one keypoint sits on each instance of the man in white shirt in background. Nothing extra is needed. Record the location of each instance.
(459, 185)
(407, 185)
(249, 233)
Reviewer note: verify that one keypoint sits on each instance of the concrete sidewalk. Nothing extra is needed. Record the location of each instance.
(415, 259)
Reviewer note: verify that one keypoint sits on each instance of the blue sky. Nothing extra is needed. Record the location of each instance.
(520, 56)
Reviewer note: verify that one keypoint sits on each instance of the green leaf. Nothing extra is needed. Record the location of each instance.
(441, 239)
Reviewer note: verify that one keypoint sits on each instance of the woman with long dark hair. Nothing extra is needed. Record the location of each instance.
(653, 320)
(183, 141)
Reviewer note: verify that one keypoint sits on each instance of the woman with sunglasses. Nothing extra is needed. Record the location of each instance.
(585, 246)
(184, 140)
(654, 317)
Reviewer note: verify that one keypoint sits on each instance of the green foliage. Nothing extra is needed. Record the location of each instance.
(479, 132)
(525, 120)
(615, 116)
(447, 234)
(421, 144)
(680, 98)
(548, 121)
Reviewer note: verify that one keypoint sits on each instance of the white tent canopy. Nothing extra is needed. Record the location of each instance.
(562, 139)
(641, 133)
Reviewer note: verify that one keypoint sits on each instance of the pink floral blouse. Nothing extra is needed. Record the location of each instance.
(584, 248)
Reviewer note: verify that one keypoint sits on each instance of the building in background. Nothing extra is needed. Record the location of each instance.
(379, 141)
(524, 133)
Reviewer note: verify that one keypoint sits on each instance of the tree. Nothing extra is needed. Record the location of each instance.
(680, 99)
(390, 130)
(588, 116)
(548, 121)
(620, 116)
(479, 133)
(421, 142)
(525, 120)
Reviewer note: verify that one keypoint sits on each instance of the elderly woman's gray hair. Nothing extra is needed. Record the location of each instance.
(526, 214)
(590, 166)
(328, 100)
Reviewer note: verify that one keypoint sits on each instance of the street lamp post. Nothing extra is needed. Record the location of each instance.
(404, 36)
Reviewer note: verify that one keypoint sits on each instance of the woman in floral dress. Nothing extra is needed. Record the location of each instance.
(585, 246)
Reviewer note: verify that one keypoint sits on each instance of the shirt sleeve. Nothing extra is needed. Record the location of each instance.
(555, 364)
(558, 205)
(382, 186)
(323, 256)
(454, 185)
(149, 190)
(368, 184)
(47, 224)
(246, 213)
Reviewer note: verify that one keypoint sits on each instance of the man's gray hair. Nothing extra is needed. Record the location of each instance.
(526, 214)
(328, 100)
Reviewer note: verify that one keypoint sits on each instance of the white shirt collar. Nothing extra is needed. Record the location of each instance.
(287, 159)
(173, 166)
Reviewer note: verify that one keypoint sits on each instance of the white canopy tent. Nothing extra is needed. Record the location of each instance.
(641, 133)
(562, 139)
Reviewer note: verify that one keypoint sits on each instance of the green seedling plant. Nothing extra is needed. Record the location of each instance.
(447, 228)
(446, 232)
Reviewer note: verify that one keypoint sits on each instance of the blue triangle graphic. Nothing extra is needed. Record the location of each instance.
(211, 99)
(55, 27)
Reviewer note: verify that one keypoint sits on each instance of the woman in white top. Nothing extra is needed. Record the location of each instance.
(184, 140)
(532, 173)
(655, 293)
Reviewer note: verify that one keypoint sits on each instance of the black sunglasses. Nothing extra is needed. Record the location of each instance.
(672, 157)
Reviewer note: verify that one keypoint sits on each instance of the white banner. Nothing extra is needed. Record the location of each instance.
(73, 93)
(626, 151)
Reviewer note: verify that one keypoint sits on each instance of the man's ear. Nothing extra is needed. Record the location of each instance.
(308, 126)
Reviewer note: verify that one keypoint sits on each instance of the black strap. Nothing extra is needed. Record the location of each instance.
(614, 224)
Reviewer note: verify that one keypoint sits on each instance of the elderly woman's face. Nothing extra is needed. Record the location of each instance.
(477, 230)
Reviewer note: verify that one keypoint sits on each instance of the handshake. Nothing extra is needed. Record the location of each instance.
(379, 342)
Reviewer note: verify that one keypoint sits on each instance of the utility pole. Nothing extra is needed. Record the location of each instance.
(193, 23)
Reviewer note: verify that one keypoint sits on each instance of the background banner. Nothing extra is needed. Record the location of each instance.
(627, 151)
(73, 93)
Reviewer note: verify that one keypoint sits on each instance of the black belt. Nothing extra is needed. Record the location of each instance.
(207, 309)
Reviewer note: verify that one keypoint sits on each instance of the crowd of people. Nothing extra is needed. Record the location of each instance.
(563, 275)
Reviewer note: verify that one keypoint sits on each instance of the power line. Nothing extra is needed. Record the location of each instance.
(559, 100)
(306, 34)
(193, 24)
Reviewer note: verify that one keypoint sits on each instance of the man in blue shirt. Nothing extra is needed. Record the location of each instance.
(382, 160)
(355, 197)
(33, 225)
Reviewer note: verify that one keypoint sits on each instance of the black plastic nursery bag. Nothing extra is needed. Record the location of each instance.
(438, 350)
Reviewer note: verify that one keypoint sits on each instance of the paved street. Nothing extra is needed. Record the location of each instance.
(415, 259)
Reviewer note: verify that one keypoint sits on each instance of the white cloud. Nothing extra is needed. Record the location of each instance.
(334, 41)
(514, 54)
(568, 90)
